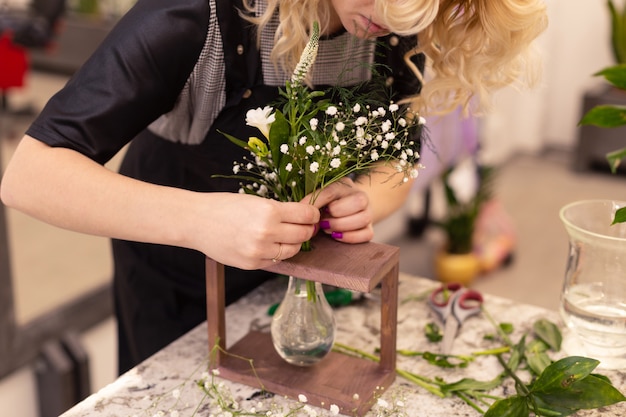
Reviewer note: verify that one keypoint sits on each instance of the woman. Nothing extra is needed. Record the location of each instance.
(173, 74)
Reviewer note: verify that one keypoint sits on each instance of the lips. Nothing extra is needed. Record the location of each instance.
(373, 28)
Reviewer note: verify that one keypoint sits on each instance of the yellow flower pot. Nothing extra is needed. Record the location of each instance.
(461, 268)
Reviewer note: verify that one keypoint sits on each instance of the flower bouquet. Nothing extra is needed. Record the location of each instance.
(317, 138)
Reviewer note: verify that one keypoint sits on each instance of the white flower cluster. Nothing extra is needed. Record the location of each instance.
(314, 140)
(340, 141)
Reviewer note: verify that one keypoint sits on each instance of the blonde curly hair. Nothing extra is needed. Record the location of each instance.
(473, 47)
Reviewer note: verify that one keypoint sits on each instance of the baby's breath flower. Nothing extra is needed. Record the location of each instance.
(393, 107)
(302, 398)
(335, 163)
(284, 148)
(314, 123)
(340, 126)
(334, 409)
(331, 110)
(314, 167)
(356, 108)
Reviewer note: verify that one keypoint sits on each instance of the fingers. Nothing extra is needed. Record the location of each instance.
(346, 213)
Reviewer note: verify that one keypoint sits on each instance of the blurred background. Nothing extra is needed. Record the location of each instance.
(56, 329)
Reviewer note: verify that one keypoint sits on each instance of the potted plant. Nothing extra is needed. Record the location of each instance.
(613, 115)
(594, 143)
(466, 189)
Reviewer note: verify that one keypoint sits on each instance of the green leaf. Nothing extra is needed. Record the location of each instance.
(605, 116)
(549, 333)
(615, 158)
(514, 406)
(536, 356)
(563, 373)
(279, 131)
(620, 216)
(234, 140)
(616, 75)
(470, 384)
(433, 333)
(584, 394)
(507, 328)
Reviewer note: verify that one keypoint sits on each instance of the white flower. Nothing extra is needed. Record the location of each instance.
(310, 149)
(302, 140)
(340, 126)
(402, 122)
(302, 398)
(334, 409)
(356, 108)
(421, 121)
(314, 122)
(331, 110)
(261, 118)
(335, 163)
(216, 372)
(393, 107)
(464, 180)
(391, 135)
(314, 167)
(361, 120)
(307, 58)
(374, 155)
(386, 125)
(284, 148)
(236, 169)
(176, 393)
(382, 111)
(288, 167)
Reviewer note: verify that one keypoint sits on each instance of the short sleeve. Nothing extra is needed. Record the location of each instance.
(134, 77)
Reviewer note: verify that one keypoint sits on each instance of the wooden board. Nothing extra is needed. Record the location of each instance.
(352, 384)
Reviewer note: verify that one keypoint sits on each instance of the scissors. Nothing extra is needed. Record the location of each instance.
(454, 303)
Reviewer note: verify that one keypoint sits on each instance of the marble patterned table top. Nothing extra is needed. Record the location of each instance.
(164, 385)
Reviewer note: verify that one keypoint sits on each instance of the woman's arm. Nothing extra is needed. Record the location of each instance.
(64, 188)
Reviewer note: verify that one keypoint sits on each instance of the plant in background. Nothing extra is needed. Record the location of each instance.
(467, 188)
(611, 116)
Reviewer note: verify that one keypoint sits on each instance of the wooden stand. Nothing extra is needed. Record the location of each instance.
(348, 382)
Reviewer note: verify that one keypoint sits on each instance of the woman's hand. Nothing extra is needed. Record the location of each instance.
(346, 213)
(250, 232)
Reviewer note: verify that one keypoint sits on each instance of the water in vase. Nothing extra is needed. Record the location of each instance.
(303, 326)
(598, 320)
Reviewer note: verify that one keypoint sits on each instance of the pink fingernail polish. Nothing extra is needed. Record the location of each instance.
(336, 235)
(325, 224)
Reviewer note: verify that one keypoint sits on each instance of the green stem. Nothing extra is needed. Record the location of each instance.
(469, 402)
(494, 351)
(501, 333)
(423, 382)
(520, 384)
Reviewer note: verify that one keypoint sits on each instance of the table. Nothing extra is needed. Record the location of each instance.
(164, 385)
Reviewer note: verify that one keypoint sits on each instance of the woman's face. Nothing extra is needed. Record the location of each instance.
(358, 18)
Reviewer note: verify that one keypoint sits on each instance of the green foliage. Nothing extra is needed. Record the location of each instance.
(618, 31)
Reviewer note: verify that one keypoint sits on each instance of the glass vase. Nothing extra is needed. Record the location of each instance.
(303, 326)
(593, 300)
